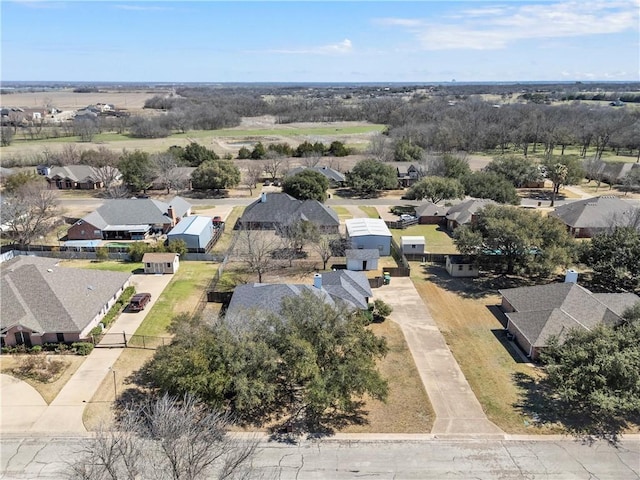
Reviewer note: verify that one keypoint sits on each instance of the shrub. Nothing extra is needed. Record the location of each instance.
(40, 368)
(82, 348)
(36, 349)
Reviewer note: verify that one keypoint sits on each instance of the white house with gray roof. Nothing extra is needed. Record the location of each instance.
(130, 219)
(535, 314)
(43, 302)
(339, 288)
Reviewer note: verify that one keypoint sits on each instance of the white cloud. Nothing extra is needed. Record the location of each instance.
(494, 27)
(340, 48)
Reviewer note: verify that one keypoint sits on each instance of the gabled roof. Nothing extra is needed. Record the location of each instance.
(464, 211)
(553, 309)
(159, 257)
(359, 227)
(330, 173)
(351, 288)
(596, 212)
(44, 297)
(76, 173)
(412, 240)
(192, 225)
(430, 209)
(281, 208)
(135, 211)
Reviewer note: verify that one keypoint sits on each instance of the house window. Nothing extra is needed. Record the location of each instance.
(168, 265)
(413, 246)
(460, 267)
(148, 265)
(60, 337)
(470, 267)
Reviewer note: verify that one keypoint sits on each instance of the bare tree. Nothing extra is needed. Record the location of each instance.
(253, 175)
(275, 165)
(311, 159)
(256, 248)
(322, 246)
(69, 155)
(30, 212)
(166, 166)
(380, 148)
(85, 128)
(166, 438)
(105, 165)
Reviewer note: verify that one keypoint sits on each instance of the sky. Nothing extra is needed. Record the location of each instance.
(330, 41)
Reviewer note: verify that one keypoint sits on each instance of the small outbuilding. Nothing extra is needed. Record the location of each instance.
(461, 266)
(196, 231)
(362, 259)
(366, 233)
(412, 244)
(161, 262)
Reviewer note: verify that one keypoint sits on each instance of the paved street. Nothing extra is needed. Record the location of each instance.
(381, 457)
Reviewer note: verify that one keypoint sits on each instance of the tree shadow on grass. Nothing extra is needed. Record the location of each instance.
(485, 285)
(539, 402)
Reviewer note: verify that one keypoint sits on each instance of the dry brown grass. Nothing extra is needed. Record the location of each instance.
(476, 339)
(48, 390)
(407, 409)
(131, 100)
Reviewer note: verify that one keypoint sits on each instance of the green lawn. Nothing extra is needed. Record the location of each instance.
(342, 212)
(181, 296)
(371, 212)
(436, 239)
(110, 265)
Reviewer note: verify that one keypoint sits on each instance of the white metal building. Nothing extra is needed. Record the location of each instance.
(369, 233)
(196, 231)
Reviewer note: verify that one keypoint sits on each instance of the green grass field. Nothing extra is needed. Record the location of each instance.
(436, 239)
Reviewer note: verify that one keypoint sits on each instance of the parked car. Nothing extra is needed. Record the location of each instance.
(405, 217)
(139, 301)
(217, 220)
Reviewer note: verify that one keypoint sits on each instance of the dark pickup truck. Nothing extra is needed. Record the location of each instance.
(139, 301)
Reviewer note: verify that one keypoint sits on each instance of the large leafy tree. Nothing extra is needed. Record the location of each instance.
(436, 189)
(137, 170)
(614, 258)
(514, 240)
(492, 186)
(215, 174)
(564, 170)
(306, 366)
(369, 176)
(518, 170)
(306, 185)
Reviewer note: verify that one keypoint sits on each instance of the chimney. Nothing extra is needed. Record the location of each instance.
(171, 214)
(571, 276)
(263, 197)
(317, 280)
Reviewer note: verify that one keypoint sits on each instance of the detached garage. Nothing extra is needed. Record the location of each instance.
(369, 233)
(412, 244)
(161, 262)
(196, 231)
(362, 259)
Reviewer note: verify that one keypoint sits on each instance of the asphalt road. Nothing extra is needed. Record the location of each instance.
(380, 458)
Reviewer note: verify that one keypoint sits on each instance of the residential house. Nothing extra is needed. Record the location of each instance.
(160, 263)
(180, 179)
(465, 212)
(586, 218)
(338, 288)
(83, 177)
(130, 219)
(461, 266)
(407, 175)
(412, 244)
(613, 173)
(274, 211)
(365, 233)
(43, 302)
(430, 213)
(196, 231)
(535, 314)
(336, 178)
(362, 259)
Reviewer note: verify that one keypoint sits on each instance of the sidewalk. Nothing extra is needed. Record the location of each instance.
(64, 414)
(456, 407)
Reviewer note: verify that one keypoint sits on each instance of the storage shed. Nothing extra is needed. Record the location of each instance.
(412, 244)
(369, 233)
(362, 259)
(161, 262)
(461, 266)
(196, 231)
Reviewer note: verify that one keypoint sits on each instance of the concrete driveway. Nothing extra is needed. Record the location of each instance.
(20, 404)
(457, 409)
(25, 411)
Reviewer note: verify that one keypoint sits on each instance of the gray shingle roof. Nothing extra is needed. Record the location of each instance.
(362, 253)
(430, 209)
(596, 212)
(464, 211)
(135, 211)
(280, 208)
(345, 286)
(44, 297)
(330, 173)
(553, 309)
(76, 173)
